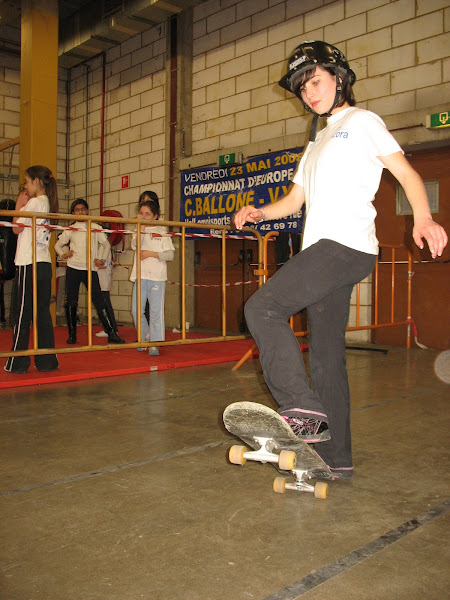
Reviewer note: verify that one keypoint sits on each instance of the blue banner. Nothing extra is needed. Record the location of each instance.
(212, 194)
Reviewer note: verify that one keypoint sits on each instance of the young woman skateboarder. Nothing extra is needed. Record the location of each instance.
(337, 179)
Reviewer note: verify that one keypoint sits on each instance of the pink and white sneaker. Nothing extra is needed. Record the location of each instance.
(308, 430)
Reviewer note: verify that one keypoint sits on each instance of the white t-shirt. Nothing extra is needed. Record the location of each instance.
(24, 252)
(77, 241)
(340, 173)
(153, 269)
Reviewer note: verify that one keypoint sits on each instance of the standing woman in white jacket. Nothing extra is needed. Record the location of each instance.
(39, 195)
(77, 270)
(156, 250)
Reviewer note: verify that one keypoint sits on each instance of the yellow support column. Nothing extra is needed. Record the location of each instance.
(39, 89)
(39, 84)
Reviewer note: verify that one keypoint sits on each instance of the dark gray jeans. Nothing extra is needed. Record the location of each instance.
(321, 279)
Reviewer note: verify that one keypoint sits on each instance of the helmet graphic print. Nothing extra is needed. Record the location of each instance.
(309, 55)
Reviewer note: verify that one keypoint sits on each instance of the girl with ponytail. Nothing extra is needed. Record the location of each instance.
(39, 195)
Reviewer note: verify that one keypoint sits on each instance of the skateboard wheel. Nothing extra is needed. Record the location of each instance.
(279, 485)
(287, 460)
(321, 490)
(236, 455)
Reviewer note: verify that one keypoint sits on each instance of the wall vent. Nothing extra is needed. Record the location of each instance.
(432, 188)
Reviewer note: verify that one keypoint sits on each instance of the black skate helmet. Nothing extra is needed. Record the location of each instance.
(309, 55)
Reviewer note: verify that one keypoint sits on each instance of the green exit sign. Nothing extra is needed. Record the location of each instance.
(234, 158)
(438, 120)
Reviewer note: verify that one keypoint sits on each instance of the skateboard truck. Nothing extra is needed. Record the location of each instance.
(286, 460)
(281, 484)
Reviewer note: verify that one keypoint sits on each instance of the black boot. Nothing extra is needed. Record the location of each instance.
(71, 314)
(113, 337)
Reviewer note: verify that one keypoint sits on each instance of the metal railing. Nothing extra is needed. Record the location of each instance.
(172, 224)
(375, 295)
(261, 272)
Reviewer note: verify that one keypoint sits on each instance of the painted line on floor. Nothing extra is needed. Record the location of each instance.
(311, 581)
(114, 469)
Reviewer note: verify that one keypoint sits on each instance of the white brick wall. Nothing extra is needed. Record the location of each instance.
(395, 59)
(324, 15)
(135, 93)
(135, 100)
(390, 14)
(394, 47)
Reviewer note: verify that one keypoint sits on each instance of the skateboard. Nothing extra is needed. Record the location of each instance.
(273, 441)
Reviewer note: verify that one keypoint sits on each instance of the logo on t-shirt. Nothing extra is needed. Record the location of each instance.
(340, 134)
(43, 234)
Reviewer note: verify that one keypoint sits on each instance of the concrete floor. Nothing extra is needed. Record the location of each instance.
(120, 489)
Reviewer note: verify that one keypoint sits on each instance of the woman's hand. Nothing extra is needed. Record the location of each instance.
(22, 200)
(288, 205)
(148, 254)
(99, 263)
(67, 255)
(247, 214)
(424, 226)
(433, 233)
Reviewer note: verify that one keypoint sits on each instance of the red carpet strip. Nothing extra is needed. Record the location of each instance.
(111, 363)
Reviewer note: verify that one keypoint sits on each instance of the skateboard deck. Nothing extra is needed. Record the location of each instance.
(273, 441)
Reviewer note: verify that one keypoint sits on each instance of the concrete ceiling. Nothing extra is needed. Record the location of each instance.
(89, 27)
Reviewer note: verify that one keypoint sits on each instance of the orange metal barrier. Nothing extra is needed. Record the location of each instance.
(172, 224)
(261, 272)
(392, 322)
(358, 327)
